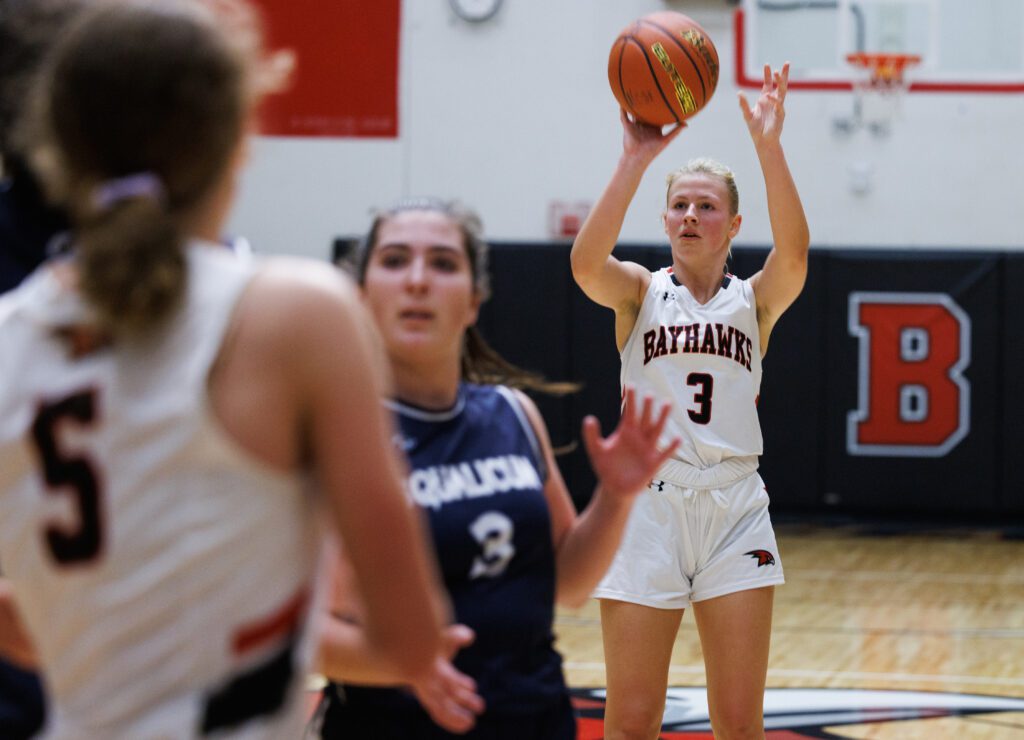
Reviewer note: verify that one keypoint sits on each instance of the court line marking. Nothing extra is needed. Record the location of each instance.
(833, 675)
(978, 633)
(969, 579)
(996, 633)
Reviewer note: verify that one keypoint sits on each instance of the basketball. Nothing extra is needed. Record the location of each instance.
(663, 68)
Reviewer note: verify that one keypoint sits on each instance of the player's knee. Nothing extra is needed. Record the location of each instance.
(737, 725)
(634, 720)
(632, 732)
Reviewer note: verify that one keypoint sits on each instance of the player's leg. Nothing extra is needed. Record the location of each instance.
(638, 644)
(735, 631)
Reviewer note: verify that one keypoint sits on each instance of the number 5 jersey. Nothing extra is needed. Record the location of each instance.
(163, 571)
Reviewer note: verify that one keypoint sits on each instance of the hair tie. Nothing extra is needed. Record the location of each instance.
(140, 185)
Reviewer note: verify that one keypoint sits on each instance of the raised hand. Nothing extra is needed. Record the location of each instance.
(645, 140)
(765, 119)
(627, 459)
(449, 696)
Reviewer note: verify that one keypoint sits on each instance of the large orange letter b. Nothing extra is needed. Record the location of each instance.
(912, 397)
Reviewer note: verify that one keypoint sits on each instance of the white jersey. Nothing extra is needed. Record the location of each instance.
(164, 572)
(706, 360)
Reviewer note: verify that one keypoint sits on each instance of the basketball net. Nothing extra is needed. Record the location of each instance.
(879, 88)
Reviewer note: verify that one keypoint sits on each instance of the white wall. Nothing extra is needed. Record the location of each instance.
(513, 113)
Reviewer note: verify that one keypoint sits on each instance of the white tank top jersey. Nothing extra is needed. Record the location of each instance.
(163, 571)
(706, 360)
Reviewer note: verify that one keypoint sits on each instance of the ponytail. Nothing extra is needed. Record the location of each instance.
(131, 265)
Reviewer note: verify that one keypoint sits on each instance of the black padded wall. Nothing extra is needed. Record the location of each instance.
(843, 343)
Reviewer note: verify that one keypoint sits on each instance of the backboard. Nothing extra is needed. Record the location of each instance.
(964, 45)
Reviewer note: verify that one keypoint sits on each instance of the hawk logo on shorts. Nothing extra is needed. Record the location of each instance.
(763, 557)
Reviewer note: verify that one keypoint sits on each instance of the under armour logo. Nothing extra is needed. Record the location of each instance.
(659, 483)
(668, 295)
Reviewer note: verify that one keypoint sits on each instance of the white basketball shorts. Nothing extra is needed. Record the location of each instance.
(690, 544)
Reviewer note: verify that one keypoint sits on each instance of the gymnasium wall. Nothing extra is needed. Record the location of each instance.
(890, 386)
(514, 113)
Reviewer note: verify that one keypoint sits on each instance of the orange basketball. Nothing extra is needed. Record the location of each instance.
(663, 68)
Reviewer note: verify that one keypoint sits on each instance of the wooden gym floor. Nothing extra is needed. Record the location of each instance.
(900, 612)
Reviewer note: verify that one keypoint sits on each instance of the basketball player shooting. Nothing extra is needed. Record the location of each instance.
(695, 334)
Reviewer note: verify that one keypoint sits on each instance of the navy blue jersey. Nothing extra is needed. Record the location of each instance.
(21, 702)
(478, 473)
(27, 228)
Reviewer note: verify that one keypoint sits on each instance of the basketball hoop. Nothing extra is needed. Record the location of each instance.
(884, 71)
(878, 89)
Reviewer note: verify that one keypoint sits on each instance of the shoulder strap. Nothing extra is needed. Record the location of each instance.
(524, 421)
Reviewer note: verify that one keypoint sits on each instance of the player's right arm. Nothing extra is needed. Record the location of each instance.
(350, 440)
(345, 655)
(606, 280)
(15, 644)
(318, 339)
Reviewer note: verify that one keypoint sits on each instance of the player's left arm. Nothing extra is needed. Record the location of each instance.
(624, 462)
(779, 283)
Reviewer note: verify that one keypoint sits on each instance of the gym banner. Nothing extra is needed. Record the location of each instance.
(345, 83)
(912, 397)
(910, 371)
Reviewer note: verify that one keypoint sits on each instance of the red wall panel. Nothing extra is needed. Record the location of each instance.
(346, 79)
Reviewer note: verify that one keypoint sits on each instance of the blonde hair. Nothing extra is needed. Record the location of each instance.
(713, 168)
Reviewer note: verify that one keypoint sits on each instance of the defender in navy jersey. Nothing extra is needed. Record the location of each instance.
(692, 333)
(507, 538)
(478, 473)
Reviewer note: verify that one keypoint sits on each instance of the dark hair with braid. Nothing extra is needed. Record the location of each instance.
(157, 93)
(481, 363)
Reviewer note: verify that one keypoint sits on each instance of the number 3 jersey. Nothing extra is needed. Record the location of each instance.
(706, 360)
(478, 474)
(161, 569)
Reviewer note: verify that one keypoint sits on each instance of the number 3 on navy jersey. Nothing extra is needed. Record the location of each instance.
(70, 475)
(702, 414)
(493, 531)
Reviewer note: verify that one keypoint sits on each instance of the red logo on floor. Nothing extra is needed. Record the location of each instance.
(790, 714)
